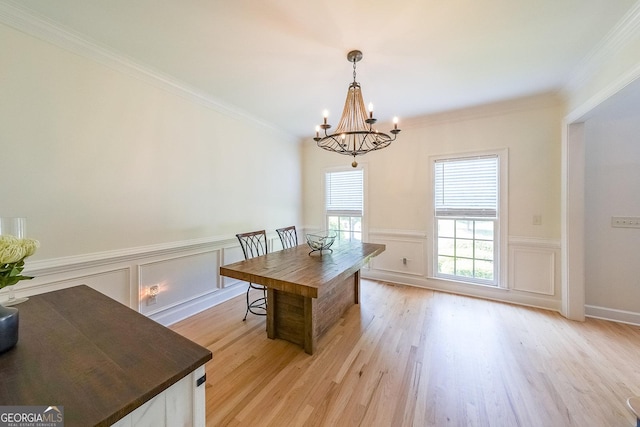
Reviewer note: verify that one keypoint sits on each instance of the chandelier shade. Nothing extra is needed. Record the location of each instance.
(355, 134)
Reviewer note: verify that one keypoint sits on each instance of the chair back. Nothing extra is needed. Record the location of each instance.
(288, 236)
(253, 244)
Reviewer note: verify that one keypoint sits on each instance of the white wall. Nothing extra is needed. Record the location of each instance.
(398, 190)
(97, 160)
(398, 175)
(611, 69)
(104, 164)
(612, 180)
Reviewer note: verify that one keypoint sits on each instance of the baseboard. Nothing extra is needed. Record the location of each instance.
(180, 312)
(486, 292)
(620, 316)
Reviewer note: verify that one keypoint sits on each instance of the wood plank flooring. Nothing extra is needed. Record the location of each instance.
(413, 357)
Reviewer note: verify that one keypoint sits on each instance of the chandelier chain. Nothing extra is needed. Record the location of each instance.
(354, 70)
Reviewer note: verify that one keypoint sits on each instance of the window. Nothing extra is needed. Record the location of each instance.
(344, 202)
(467, 218)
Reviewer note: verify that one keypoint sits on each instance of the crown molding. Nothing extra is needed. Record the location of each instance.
(498, 108)
(549, 99)
(616, 39)
(32, 24)
(582, 112)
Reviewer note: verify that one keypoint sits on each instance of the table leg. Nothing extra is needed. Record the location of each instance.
(310, 332)
(356, 287)
(271, 311)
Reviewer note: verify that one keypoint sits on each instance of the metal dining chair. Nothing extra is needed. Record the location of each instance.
(254, 244)
(288, 236)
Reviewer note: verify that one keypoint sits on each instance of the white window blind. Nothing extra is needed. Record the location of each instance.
(344, 192)
(467, 187)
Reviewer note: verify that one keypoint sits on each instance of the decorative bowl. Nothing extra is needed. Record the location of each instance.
(321, 241)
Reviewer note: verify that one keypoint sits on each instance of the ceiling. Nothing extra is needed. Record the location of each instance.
(283, 62)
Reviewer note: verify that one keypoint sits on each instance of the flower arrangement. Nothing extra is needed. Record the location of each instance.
(13, 251)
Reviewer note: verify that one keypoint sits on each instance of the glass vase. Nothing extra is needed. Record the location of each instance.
(16, 227)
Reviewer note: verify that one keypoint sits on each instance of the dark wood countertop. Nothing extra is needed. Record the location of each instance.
(99, 359)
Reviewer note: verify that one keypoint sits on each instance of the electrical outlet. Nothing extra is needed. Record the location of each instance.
(625, 221)
(537, 220)
(152, 294)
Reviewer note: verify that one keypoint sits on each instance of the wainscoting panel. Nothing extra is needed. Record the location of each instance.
(532, 270)
(532, 265)
(405, 253)
(114, 283)
(187, 273)
(179, 279)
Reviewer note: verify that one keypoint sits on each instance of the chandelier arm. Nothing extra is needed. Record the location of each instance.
(359, 142)
(363, 140)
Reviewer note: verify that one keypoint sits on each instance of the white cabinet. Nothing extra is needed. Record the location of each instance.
(181, 405)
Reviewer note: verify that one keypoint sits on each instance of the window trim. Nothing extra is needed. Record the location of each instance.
(365, 224)
(502, 222)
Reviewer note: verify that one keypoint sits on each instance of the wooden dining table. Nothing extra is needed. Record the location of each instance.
(307, 293)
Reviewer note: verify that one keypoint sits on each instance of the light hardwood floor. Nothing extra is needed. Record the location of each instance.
(412, 357)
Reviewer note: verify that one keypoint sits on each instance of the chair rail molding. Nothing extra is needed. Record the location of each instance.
(53, 265)
(186, 273)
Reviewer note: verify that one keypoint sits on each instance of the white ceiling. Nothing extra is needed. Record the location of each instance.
(284, 61)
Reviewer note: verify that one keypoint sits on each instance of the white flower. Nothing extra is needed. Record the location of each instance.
(7, 240)
(30, 246)
(11, 253)
(14, 250)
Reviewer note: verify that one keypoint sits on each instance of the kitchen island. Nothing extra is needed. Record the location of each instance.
(103, 362)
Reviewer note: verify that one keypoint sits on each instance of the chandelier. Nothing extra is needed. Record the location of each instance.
(355, 134)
